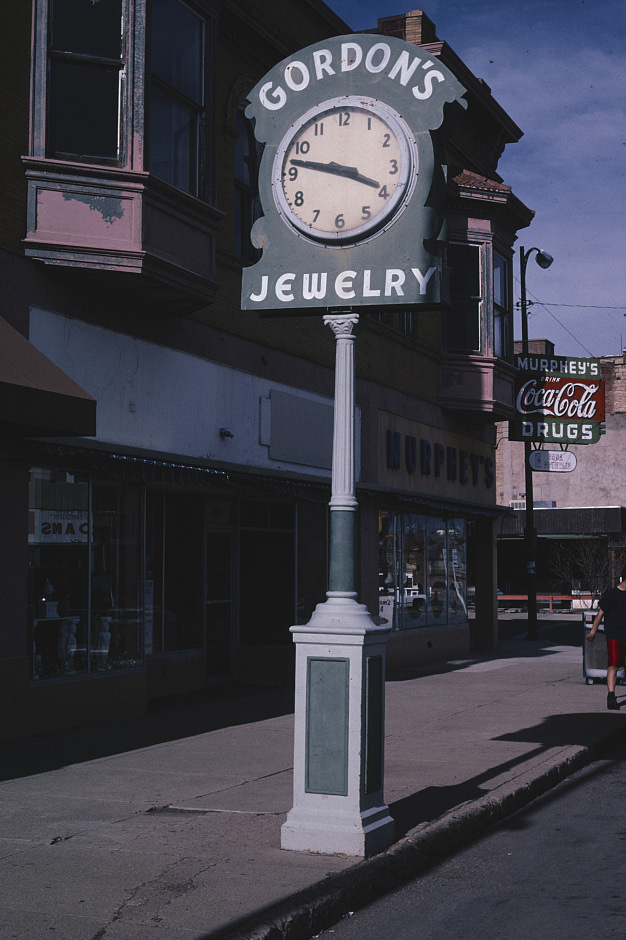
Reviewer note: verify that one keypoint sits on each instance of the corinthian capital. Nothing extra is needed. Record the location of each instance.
(341, 324)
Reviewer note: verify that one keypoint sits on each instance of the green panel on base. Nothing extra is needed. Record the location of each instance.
(327, 726)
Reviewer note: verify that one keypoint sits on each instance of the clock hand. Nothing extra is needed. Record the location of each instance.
(337, 169)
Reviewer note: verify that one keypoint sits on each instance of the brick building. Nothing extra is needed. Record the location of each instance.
(165, 456)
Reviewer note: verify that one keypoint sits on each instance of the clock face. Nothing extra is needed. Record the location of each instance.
(345, 170)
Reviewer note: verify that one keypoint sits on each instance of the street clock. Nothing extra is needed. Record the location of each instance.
(349, 183)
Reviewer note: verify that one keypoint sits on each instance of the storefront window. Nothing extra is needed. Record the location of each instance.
(85, 590)
(422, 570)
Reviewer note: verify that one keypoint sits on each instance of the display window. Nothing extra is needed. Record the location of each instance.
(121, 571)
(85, 588)
(422, 570)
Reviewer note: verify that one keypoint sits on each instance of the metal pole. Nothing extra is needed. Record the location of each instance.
(530, 533)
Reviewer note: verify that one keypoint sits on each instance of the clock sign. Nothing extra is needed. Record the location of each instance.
(348, 181)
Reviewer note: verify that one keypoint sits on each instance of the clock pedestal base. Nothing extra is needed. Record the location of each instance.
(338, 806)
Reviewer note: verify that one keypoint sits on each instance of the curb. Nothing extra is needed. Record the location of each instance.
(302, 915)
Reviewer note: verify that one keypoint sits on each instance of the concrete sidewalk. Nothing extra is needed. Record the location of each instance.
(169, 826)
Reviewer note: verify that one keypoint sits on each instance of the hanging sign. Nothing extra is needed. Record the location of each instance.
(552, 461)
(564, 404)
(350, 188)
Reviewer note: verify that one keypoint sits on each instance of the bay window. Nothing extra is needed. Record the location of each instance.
(118, 169)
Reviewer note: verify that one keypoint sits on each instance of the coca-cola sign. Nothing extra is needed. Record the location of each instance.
(564, 404)
(558, 397)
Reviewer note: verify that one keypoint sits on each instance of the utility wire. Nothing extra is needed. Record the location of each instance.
(539, 303)
(545, 303)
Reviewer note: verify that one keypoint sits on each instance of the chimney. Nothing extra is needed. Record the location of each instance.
(414, 27)
(536, 347)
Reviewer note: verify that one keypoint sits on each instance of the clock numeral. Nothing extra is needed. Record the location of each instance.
(386, 140)
(344, 118)
(383, 193)
(293, 173)
(319, 129)
(302, 146)
(316, 214)
(339, 221)
(366, 212)
(394, 167)
(299, 198)
(369, 123)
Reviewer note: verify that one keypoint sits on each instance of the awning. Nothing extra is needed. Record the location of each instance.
(416, 502)
(159, 469)
(36, 397)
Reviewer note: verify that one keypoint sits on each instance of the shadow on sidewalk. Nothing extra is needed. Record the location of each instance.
(512, 644)
(584, 730)
(167, 720)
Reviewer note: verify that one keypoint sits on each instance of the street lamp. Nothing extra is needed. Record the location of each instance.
(544, 260)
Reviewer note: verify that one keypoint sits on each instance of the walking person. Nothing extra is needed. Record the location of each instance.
(612, 606)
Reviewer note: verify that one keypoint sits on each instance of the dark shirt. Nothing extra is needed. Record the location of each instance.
(613, 605)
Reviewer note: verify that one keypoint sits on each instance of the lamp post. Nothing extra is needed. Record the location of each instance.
(544, 260)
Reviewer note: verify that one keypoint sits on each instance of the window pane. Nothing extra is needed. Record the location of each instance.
(83, 110)
(117, 591)
(437, 575)
(267, 572)
(462, 321)
(501, 334)
(177, 48)
(502, 315)
(89, 28)
(218, 601)
(500, 281)
(411, 598)
(184, 533)
(58, 572)
(457, 571)
(244, 153)
(387, 580)
(173, 141)
(153, 583)
(267, 587)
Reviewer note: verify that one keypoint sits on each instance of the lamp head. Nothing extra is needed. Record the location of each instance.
(543, 259)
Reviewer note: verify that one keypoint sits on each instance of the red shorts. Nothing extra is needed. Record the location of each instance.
(616, 652)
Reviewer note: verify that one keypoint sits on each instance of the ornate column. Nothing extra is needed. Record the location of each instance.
(343, 503)
(338, 805)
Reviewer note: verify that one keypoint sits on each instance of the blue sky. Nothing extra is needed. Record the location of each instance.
(558, 67)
